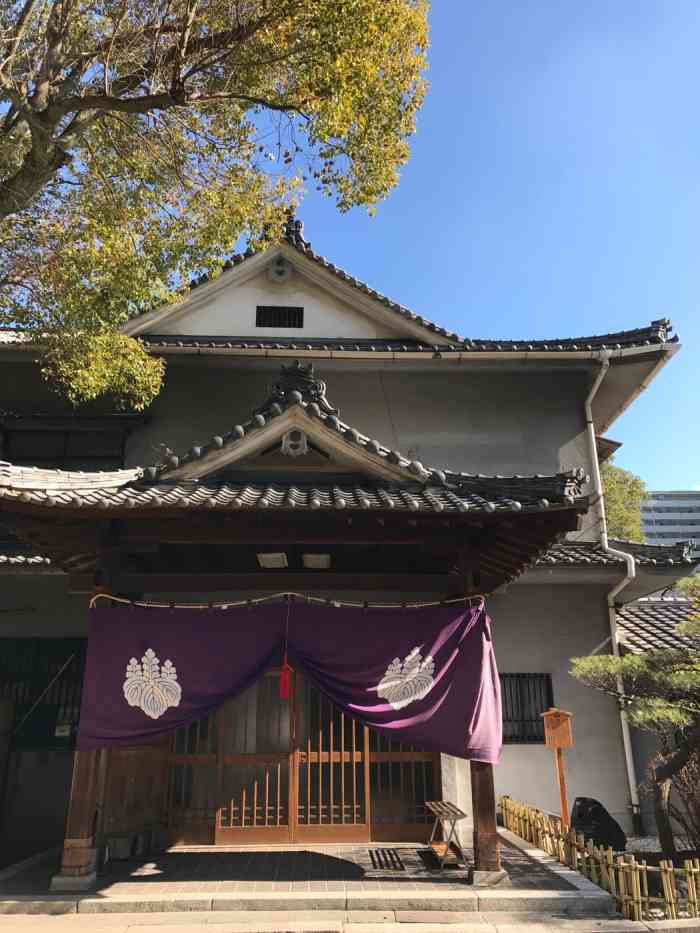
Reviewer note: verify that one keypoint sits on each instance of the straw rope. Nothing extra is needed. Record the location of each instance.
(237, 604)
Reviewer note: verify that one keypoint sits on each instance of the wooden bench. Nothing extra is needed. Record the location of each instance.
(449, 849)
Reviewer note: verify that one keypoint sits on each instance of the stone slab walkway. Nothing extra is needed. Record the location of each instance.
(282, 870)
(395, 878)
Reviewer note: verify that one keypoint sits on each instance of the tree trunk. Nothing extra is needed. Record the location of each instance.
(662, 792)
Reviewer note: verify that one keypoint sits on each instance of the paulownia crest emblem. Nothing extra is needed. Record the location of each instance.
(150, 686)
(407, 682)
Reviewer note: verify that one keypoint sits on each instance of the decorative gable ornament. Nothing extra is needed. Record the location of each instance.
(295, 443)
(150, 687)
(280, 270)
(408, 682)
(300, 378)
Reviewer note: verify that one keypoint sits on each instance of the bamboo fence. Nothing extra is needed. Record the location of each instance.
(641, 891)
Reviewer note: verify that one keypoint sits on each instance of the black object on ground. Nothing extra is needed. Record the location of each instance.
(589, 816)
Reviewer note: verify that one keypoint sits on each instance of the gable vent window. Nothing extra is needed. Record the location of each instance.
(525, 697)
(278, 316)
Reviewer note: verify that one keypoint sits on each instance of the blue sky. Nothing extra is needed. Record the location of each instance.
(554, 190)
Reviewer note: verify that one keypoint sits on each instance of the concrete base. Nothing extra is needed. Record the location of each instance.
(471, 901)
(485, 879)
(68, 884)
(344, 921)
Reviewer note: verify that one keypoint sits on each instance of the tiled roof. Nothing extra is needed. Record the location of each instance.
(651, 623)
(655, 334)
(16, 561)
(130, 490)
(584, 553)
(657, 554)
(564, 554)
(299, 387)
(182, 481)
(13, 555)
(447, 341)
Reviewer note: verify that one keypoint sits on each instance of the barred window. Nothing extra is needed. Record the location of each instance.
(43, 679)
(278, 316)
(525, 697)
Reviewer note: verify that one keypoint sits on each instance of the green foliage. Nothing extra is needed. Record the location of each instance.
(624, 493)
(84, 367)
(690, 587)
(660, 693)
(660, 689)
(139, 142)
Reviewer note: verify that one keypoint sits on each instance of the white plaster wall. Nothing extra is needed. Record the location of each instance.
(230, 311)
(538, 629)
(463, 419)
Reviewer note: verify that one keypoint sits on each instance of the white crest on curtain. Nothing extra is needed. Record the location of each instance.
(151, 687)
(405, 683)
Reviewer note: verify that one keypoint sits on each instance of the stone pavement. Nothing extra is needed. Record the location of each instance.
(337, 922)
(400, 878)
(339, 869)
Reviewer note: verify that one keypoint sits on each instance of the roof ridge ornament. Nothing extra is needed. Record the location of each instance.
(294, 231)
(298, 378)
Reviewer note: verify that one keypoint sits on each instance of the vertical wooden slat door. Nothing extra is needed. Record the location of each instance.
(192, 787)
(255, 766)
(401, 779)
(266, 770)
(330, 770)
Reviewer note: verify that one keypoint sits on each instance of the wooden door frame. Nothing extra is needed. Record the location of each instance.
(250, 835)
(330, 832)
(296, 831)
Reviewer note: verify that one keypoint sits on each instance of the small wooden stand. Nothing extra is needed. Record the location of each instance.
(450, 848)
(558, 736)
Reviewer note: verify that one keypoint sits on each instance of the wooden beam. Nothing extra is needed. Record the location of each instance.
(487, 855)
(182, 582)
(80, 850)
(354, 529)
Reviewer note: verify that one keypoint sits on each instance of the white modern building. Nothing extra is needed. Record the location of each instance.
(671, 516)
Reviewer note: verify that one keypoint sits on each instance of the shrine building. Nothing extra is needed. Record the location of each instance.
(313, 440)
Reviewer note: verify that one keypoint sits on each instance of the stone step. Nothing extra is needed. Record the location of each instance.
(331, 921)
(468, 902)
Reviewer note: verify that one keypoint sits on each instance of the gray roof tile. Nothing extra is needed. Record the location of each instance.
(63, 490)
(651, 624)
(586, 553)
(446, 341)
(655, 334)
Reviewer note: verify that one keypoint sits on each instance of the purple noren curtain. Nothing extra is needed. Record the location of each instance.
(426, 677)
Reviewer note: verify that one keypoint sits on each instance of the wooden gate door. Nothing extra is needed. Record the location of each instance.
(331, 771)
(230, 772)
(256, 766)
(267, 770)
(402, 778)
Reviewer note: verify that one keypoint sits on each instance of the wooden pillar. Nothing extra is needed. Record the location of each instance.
(80, 846)
(487, 856)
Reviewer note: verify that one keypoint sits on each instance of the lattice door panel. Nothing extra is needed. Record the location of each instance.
(331, 770)
(258, 799)
(193, 788)
(271, 770)
(255, 764)
(402, 778)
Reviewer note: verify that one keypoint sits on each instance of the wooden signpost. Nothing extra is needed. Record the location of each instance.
(558, 735)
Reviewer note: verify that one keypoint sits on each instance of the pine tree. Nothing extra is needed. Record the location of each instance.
(660, 693)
